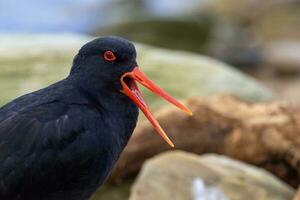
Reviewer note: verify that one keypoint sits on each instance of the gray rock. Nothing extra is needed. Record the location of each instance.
(30, 62)
(235, 45)
(284, 57)
(179, 175)
(197, 75)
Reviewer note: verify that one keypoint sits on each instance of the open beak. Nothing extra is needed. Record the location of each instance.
(130, 88)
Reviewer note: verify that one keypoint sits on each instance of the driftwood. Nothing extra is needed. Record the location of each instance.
(263, 134)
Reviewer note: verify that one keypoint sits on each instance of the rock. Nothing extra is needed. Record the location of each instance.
(297, 196)
(235, 44)
(243, 28)
(181, 34)
(188, 176)
(197, 75)
(283, 56)
(30, 62)
(286, 25)
(263, 134)
(113, 192)
(282, 72)
(195, 27)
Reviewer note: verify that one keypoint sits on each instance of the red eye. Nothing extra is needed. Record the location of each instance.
(109, 56)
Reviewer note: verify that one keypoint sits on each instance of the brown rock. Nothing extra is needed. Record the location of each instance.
(297, 196)
(264, 134)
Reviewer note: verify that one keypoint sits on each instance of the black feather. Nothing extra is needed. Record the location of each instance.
(61, 142)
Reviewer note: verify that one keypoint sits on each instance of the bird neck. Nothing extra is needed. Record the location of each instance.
(95, 88)
(104, 95)
(119, 110)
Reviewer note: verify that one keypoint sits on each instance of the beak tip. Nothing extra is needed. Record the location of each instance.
(170, 142)
(189, 112)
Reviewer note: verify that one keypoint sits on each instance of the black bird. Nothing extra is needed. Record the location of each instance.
(61, 142)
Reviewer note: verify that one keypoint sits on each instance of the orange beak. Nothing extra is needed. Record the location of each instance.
(130, 88)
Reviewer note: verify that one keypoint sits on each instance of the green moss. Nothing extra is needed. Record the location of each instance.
(183, 35)
(114, 192)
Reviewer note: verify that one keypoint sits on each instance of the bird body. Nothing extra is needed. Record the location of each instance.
(59, 139)
(61, 142)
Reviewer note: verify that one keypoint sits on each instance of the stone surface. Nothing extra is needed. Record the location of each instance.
(284, 57)
(235, 44)
(297, 195)
(194, 34)
(264, 134)
(30, 62)
(245, 27)
(198, 75)
(110, 191)
(260, 13)
(184, 176)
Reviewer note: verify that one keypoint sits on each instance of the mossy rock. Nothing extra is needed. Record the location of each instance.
(30, 62)
(190, 35)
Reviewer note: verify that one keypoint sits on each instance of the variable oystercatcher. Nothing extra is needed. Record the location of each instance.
(61, 142)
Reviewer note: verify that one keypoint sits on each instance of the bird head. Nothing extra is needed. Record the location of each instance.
(113, 61)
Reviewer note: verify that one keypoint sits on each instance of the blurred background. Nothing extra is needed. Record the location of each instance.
(237, 62)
